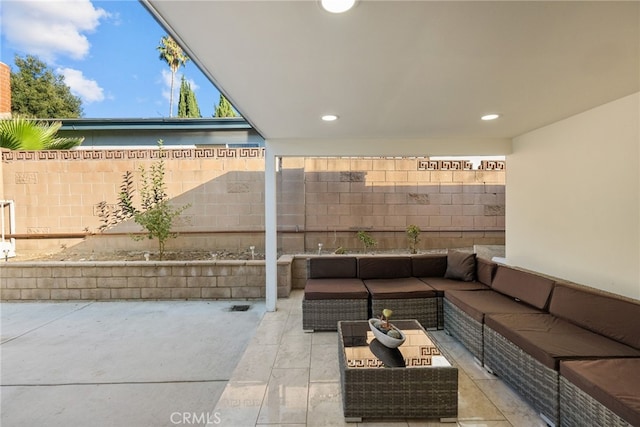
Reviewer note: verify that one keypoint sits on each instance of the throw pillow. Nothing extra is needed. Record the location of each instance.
(461, 266)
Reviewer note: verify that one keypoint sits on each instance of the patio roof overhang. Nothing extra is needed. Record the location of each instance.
(409, 70)
(405, 77)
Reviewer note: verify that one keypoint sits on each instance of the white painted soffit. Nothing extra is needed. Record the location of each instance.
(410, 70)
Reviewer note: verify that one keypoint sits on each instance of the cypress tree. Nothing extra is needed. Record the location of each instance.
(224, 108)
(187, 104)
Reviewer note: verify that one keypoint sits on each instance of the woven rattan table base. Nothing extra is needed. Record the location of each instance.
(416, 392)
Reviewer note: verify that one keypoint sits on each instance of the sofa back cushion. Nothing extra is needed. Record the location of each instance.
(332, 267)
(384, 267)
(485, 270)
(527, 287)
(433, 265)
(616, 318)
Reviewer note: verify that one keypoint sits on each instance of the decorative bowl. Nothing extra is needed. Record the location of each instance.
(385, 339)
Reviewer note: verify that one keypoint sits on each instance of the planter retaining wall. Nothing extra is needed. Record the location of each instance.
(143, 280)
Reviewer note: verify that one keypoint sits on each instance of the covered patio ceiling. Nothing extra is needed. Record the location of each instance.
(397, 71)
(405, 77)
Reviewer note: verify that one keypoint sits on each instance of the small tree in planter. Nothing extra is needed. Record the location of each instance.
(157, 214)
(366, 239)
(413, 234)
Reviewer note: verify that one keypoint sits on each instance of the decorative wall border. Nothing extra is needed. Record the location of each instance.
(492, 165)
(144, 154)
(445, 165)
(423, 164)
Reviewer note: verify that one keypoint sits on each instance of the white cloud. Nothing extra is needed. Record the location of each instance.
(165, 81)
(49, 29)
(88, 90)
(166, 85)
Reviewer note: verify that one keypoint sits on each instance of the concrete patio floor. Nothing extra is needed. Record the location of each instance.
(196, 363)
(118, 363)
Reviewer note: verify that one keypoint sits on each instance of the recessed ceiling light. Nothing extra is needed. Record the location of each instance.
(329, 117)
(490, 117)
(337, 6)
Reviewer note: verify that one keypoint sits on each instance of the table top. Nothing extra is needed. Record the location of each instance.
(364, 351)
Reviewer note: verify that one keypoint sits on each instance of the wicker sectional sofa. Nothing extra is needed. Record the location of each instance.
(358, 287)
(528, 329)
(333, 292)
(571, 351)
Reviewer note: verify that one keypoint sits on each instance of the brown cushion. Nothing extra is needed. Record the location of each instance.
(485, 271)
(613, 317)
(407, 287)
(316, 289)
(548, 338)
(384, 267)
(433, 265)
(441, 284)
(332, 267)
(612, 382)
(477, 304)
(528, 287)
(461, 266)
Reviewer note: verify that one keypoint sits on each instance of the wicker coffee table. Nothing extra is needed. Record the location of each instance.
(413, 381)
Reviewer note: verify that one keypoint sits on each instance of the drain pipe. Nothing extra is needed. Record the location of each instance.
(8, 247)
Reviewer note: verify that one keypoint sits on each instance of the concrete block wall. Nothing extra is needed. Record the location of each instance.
(453, 208)
(320, 200)
(168, 280)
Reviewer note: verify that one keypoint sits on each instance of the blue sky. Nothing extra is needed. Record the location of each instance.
(107, 52)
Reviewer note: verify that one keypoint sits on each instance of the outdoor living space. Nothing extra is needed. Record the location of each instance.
(252, 368)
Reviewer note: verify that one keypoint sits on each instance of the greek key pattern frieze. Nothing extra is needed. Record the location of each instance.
(418, 361)
(445, 165)
(142, 154)
(429, 350)
(492, 165)
(364, 363)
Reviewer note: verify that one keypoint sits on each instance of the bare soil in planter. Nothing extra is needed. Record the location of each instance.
(69, 255)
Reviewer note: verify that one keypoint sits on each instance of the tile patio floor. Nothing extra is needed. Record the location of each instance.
(288, 377)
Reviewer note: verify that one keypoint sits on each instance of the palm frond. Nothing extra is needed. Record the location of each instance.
(24, 134)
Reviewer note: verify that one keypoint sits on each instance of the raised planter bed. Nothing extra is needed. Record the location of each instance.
(152, 280)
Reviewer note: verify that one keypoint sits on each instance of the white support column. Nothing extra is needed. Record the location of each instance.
(270, 228)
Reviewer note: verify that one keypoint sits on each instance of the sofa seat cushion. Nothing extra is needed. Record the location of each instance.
(319, 289)
(441, 284)
(528, 287)
(481, 302)
(548, 339)
(407, 287)
(612, 382)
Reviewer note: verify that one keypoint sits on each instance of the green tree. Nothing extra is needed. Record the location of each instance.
(24, 134)
(224, 108)
(111, 215)
(157, 214)
(174, 56)
(413, 234)
(366, 239)
(38, 92)
(187, 103)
